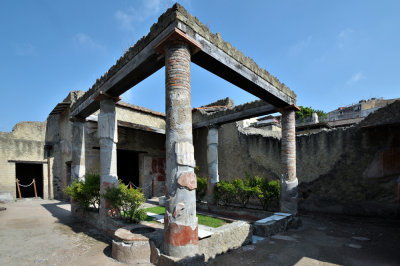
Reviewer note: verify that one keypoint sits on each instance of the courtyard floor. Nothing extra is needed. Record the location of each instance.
(42, 232)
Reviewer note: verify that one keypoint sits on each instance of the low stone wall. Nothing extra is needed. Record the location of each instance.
(227, 237)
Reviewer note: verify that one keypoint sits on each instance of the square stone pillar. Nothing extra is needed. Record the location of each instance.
(78, 169)
(180, 226)
(289, 183)
(107, 130)
(212, 162)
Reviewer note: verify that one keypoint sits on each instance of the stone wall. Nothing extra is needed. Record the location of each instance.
(24, 143)
(349, 171)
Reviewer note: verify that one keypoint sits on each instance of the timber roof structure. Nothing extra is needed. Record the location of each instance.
(215, 55)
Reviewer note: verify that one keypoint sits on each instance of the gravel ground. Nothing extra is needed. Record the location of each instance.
(42, 232)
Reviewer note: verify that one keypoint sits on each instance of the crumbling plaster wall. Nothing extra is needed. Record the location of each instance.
(24, 143)
(347, 170)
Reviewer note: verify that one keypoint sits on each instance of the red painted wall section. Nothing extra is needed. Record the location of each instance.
(158, 168)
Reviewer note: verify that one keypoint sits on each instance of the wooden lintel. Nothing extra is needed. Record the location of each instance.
(141, 127)
(178, 34)
(27, 162)
(215, 60)
(142, 65)
(224, 117)
(102, 96)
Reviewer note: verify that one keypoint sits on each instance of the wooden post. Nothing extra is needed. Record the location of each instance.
(34, 186)
(19, 190)
(130, 185)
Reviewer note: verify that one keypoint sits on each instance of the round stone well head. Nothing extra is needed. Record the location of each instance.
(131, 244)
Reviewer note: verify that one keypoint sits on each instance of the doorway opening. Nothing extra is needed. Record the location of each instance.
(25, 173)
(128, 167)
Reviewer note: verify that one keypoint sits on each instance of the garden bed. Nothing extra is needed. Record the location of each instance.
(203, 219)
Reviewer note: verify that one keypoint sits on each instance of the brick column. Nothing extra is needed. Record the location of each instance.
(78, 149)
(289, 181)
(212, 162)
(108, 138)
(180, 227)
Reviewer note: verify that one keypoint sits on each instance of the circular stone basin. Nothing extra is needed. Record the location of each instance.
(142, 230)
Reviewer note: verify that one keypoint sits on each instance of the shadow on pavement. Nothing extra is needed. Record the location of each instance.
(61, 211)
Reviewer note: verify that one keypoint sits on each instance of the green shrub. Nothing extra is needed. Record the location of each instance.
(267, 192)
(201, 187)
(86, 193)
(126, 201)
(225, 193)
(243, 191)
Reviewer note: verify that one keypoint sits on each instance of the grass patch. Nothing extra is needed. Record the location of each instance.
(204, 220)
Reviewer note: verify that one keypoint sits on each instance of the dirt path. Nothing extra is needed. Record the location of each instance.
(42, 232)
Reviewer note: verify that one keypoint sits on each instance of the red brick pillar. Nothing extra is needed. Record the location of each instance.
(289, 181)
(180, 227)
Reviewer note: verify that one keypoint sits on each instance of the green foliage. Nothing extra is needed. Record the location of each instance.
(201, 187)
(126, 201)
(267, 192)
(225, 193)
(241, 191)
(86, 193)
(156, 210)
(307, 112)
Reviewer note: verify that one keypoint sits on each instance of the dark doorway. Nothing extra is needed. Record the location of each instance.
(128, 166)
(25, 173)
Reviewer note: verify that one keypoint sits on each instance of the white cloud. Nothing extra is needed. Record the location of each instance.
(300, 46)
(140, 12)
(343, 37)
(84, 40)
(355, 78)
(125, 19)
(24, 49)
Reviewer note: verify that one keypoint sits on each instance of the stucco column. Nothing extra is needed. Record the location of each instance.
(78, 149)
(180, 227)
(108, 138)
(288, 201)
(212, 162)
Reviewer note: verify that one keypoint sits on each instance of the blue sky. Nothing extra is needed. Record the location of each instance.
(331, 53)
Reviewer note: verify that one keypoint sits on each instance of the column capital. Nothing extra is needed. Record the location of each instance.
(178, 35)
(292, 107)
(216, 126)
(103, 96)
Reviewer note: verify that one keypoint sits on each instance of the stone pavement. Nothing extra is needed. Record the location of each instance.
(42, 232)
(324, 240)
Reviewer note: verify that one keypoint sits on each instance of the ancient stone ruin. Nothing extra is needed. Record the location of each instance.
(96, 130)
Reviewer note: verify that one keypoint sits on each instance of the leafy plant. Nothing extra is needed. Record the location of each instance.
(307, 112)
(267, 192)
(225, 193)
(86, 192)
(243, 191)
(126, 201)
(201, 187)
